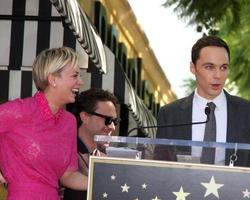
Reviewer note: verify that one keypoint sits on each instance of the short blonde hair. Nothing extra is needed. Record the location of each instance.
(52, 61)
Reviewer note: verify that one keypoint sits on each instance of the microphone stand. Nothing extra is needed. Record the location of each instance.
(207, 112)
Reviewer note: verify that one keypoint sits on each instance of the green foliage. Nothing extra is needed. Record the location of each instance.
(206, 14)
(189, 85)
(238, 40)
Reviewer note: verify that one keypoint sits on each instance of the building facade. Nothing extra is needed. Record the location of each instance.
(120, 58)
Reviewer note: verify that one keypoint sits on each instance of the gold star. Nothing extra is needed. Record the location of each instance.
(113, 177)
(125, 188)
(181, 195)
(105, 195)
(246, 193)
(212, 187)
(156, 198)
(144, 186)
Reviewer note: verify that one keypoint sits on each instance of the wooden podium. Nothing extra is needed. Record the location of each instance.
(132, 179)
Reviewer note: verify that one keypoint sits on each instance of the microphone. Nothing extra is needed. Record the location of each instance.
(207, 112)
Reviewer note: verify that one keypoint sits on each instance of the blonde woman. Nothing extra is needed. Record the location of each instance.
(38, 136)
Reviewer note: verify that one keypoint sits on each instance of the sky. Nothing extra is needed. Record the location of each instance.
(170, 38)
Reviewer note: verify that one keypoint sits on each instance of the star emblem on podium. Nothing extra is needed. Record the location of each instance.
(113, 177)
(181, 195)
(105, 195)
(246, 194)
(144, 186)
(212, 187)
(125, 188)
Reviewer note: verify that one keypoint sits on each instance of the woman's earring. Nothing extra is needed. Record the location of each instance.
(54, 84)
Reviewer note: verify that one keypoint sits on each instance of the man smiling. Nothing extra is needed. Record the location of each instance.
(96, 115)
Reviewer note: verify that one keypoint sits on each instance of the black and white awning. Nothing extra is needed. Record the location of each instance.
(81, 26)
(27, 27)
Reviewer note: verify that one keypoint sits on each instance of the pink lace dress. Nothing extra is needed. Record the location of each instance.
(36, 148)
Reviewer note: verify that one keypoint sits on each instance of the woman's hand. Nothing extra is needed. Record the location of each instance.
(74, 180)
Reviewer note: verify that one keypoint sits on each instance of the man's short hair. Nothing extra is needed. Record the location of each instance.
(207, 41)
(87, 101)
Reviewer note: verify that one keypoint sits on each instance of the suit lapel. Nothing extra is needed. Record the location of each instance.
(231, 126)
(186, 116)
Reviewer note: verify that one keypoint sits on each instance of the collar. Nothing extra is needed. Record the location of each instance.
(43, 105)
(220, 101)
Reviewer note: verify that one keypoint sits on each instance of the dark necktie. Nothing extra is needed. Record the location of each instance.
(208, 154)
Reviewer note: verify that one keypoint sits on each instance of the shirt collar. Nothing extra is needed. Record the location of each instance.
(220, 100)
(43, 105)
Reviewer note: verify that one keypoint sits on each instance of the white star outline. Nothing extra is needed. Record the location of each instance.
(181, 195)
(212, 187)
(246, 194)
(125, 187)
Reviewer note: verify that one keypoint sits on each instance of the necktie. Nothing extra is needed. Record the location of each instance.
(208, 154)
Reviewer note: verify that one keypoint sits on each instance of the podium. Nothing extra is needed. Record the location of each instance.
(139, 178)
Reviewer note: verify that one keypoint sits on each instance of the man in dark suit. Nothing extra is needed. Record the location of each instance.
(210, 65)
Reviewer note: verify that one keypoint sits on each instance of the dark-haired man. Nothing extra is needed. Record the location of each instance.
(96, 115)
(210, 65)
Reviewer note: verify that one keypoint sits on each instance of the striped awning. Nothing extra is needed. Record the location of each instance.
(38, 27)
(81, 26)
(139, 110)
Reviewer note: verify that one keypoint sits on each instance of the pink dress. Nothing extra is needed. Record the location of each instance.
(36, 148)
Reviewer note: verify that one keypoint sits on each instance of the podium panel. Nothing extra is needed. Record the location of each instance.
(233, 154)
(138, 179)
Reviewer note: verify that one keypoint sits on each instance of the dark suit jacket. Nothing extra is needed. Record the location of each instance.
(238, 124)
